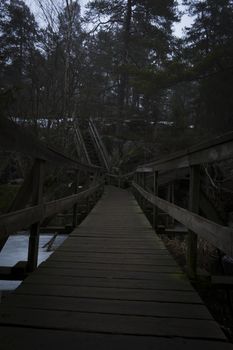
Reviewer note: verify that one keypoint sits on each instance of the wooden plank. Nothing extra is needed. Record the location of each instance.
(47, 339)
(113, 233)
(117, 324)
(106, 273)
(116, 307)
(114, 256)
(112, 250)
(111, 267)
(162, 283)
(185, 297)
(113, 260)
(220, 236)
(151, 241)
(122, 245)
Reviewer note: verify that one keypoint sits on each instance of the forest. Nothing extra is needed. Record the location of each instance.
(103, 100)
(120, 63)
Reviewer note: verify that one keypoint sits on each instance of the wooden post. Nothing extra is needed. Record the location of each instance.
(155, 209)
(75, 207)
(170, 198)
(194, 195)
(37, 198)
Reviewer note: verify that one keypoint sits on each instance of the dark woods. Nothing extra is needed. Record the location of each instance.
(119, 62)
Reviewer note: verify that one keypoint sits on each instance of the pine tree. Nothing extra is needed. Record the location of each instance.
(209, 51)
(18, 40)
(142, 34)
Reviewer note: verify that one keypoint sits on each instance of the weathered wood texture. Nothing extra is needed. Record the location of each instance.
(218, 235)
(18, 220)
(218, 149)
(111, 285)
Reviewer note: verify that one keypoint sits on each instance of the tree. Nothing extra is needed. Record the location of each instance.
(18, 40)
(141, 33)
(71, 41)
(209, 52)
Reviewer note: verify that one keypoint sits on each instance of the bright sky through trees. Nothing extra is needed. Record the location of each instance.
(178, 27)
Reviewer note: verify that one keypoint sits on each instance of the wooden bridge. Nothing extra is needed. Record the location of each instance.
(112, 284)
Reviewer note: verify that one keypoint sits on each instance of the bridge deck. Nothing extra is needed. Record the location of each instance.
(112, 284)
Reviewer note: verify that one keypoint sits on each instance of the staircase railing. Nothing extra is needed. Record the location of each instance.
(81, 145)
(99, 145)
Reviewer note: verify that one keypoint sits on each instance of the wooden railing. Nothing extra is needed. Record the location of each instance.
(218, 235)
(13, 138)
(28, 209)
(81, 145)
(99, 145)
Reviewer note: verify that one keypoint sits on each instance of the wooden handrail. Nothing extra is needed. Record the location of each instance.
(21, 219)
(218, 149)
(13, 138)
(218, 235)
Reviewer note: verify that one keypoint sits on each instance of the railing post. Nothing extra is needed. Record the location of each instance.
(75, 207)
(155, 208)
(194, 195)
(170, 198)
(37, 199)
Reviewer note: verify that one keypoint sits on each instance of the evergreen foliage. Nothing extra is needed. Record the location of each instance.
(122, 65)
